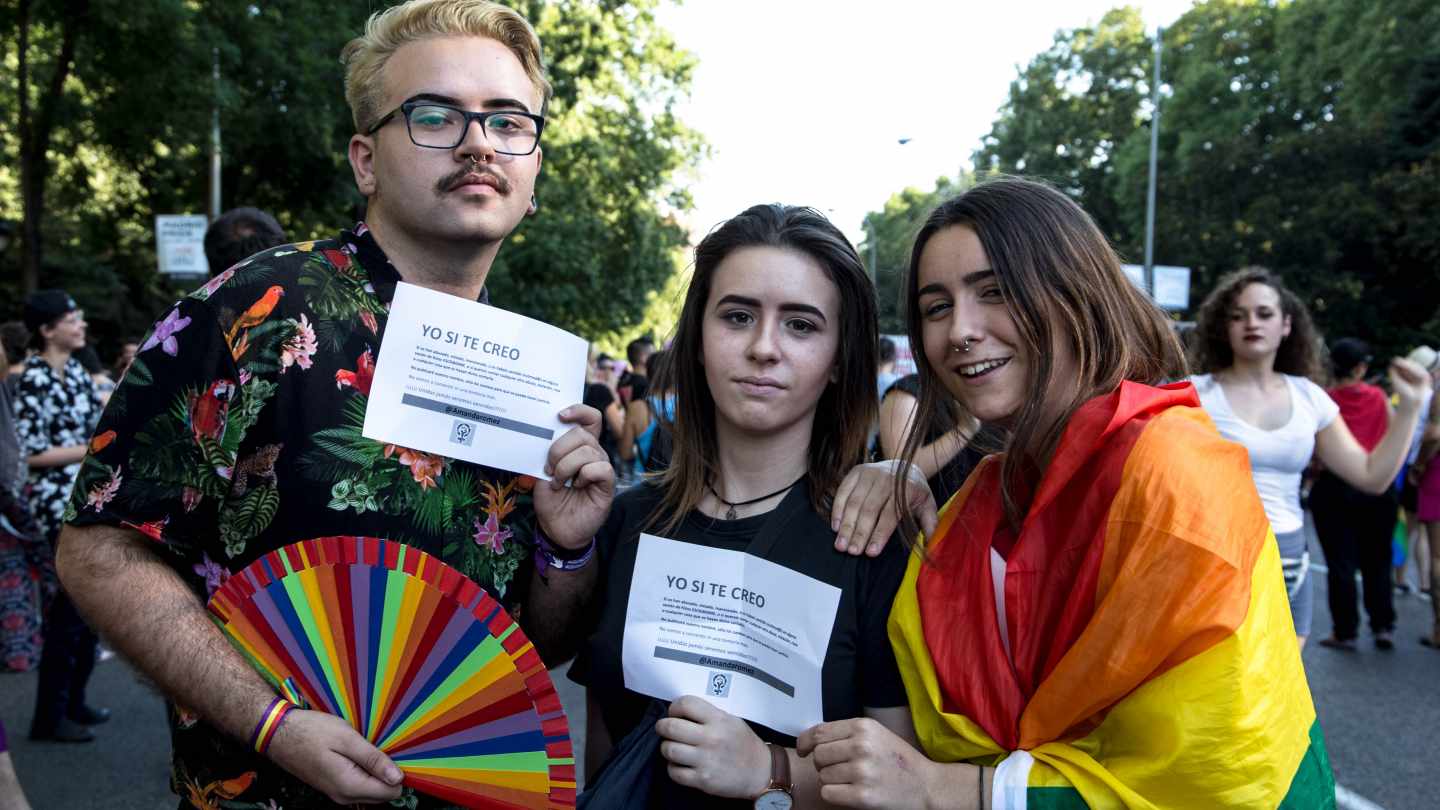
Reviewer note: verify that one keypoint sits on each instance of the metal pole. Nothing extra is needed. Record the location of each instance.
(215, 137)
(1154, 148)
(871, 228)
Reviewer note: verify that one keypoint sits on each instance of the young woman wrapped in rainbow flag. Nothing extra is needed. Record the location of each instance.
(1099, 618)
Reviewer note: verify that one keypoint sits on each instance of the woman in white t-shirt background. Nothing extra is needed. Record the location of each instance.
(1258, 352)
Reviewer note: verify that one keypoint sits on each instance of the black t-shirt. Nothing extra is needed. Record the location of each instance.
(948, 480)
(599, 396)
(859, 669)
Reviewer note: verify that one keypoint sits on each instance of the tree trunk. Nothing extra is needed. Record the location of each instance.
(35, 128)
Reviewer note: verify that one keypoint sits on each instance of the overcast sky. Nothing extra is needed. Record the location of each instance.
(804, 101)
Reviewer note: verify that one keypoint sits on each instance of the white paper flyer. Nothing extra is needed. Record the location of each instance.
(469, 381)
(744, 633)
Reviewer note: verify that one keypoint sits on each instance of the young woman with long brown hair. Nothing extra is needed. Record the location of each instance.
(1098, 619)
(772, 371)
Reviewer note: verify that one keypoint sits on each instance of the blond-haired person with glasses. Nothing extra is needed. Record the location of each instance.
(272, 359)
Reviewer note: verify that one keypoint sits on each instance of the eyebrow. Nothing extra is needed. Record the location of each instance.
(785, 307)
(488, 104)
(969, 280)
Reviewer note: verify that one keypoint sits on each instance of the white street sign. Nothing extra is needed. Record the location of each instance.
(1172, 284)
(180, 244)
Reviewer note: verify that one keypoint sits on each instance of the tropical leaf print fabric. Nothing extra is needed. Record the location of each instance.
(238, 431)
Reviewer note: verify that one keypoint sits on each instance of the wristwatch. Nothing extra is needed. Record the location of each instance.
(777, 793)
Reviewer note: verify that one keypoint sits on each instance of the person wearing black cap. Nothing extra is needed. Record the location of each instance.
(55, 412)
(1355, 527)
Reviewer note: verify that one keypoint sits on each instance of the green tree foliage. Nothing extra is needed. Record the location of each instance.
(889, 233)
(605, 237)
(1303, 136)
(1071, 108)
(130, 134)
(129, 138)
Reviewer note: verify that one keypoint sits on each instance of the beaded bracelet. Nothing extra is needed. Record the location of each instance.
(270, 723)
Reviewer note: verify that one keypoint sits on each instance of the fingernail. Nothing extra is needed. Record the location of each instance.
(873, 549)
(393, 775)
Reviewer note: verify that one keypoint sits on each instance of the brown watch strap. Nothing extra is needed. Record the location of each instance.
(780, 769)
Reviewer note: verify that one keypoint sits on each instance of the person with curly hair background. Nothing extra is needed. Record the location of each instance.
(1258, 354)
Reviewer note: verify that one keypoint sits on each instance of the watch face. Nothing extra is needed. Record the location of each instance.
(773, 800)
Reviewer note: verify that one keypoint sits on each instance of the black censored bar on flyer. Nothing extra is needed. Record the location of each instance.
(477, 416)
(711, 662)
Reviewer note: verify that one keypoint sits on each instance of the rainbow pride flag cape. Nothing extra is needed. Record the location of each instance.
(1150, 659)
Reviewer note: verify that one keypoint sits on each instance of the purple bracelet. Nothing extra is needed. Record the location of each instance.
(549, 555)
(269, 724)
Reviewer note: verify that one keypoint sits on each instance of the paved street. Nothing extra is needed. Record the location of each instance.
(1381, 714)
(127, 768)
(1380, 710)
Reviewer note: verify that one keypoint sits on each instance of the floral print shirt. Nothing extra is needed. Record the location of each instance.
(237, 431)
(53, 410)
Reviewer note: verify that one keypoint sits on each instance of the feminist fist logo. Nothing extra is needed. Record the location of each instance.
(719, 684)
(462, 433)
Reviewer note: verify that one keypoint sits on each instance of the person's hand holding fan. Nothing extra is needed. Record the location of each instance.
(412, 655)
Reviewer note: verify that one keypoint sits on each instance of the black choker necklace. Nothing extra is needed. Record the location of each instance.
(730, 511)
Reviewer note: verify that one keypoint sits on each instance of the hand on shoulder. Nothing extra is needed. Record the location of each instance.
(865, 514)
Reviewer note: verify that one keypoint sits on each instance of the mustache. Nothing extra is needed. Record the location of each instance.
(454, 178)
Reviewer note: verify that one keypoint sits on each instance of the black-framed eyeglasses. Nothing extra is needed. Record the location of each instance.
(440, 126)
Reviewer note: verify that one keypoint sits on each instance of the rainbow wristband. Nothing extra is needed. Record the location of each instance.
(270, 723)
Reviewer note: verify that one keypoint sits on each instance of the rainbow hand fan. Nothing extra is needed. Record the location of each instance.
(416, 657)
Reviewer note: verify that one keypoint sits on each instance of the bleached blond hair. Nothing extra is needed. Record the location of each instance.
(364, 57)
